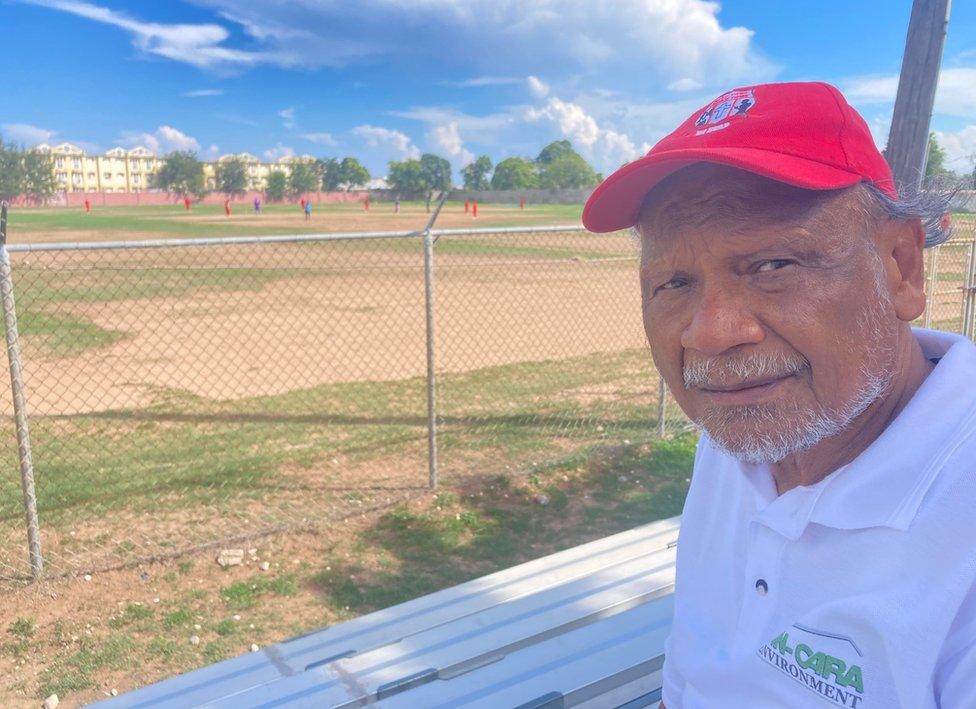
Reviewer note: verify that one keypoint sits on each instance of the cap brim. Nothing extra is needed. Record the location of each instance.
(614, 203)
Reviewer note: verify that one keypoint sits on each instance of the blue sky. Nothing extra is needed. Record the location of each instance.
(389, 79)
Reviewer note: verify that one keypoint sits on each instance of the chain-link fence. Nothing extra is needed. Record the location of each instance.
(189, 393)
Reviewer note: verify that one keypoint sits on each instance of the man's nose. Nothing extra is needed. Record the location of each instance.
(722, 320)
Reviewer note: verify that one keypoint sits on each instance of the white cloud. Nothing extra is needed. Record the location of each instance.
(955, 96)
(377, 137)
(446, 140)
(164, 140)
(537, 87)
(670, 40)
(287, 116)
(201, 45)
(870, 89)
(201, 93)
(606, 148)
(213, 151)
(320, 138)
(277, 152)
(684, 84)
(26, 133)
(960, 149)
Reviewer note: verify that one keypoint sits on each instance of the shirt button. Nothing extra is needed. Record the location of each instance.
(762, 588)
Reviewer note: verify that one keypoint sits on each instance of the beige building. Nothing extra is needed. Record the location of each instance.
(120, 170)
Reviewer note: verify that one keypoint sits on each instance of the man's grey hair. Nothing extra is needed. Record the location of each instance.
(930, 206)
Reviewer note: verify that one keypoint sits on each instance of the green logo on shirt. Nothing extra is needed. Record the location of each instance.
(823, 672)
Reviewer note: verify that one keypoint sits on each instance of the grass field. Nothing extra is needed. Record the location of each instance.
(173, 221)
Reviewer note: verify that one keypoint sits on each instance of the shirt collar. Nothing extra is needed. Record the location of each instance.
(885, 485)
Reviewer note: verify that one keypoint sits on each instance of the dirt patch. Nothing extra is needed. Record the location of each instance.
(316, 316)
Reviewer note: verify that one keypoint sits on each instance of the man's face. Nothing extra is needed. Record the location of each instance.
(765, 307)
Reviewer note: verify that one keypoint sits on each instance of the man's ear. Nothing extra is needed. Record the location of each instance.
(901, 243)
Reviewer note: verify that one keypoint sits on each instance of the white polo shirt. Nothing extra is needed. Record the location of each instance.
(857, 591)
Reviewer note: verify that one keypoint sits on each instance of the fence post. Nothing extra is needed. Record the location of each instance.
(969, 295)
(20, 406)
(431, 359)
(662, 407)
(933, 268)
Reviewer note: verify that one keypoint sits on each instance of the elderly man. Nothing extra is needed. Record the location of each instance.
(828, 542)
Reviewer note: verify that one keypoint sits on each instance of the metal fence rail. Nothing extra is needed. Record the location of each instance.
(185, 393)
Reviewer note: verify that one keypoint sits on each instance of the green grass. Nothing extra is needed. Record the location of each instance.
(242, 595)
(77, 671)
(423, 551)
(133, 613)
(184, 451)
(173, 221)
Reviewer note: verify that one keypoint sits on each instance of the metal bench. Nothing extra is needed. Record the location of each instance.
(582, 627)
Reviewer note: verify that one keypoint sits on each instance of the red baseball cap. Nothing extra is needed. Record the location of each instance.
(801, 133)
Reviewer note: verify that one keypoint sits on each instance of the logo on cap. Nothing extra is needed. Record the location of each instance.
(732, 104)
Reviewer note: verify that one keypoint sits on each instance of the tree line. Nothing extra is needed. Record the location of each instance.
(28, 172)
(558, 166)
(182, 173)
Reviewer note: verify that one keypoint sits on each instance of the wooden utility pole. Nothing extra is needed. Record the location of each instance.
(909, 135)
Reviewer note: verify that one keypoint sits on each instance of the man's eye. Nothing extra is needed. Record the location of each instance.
(773, 265)
(672, 284)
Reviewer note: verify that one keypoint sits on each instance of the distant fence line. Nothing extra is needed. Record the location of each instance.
(161, 198)
(962, 201)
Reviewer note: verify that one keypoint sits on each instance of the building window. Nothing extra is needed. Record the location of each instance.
(59, 162)
(107, 176)
(121, 175)
(62, 177)
(76, 163)
(91, 175)
(135, 179)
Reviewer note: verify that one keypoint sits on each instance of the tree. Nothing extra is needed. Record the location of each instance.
(302, 178)
(406, 177)
(39, 182)
(475, 174)
(567, 171)
(515, 174)
(277, 186)
(437, 172)
(328, 169)
(232, 176)
(555, 149)
(11, 171)
(935, 169)
(182, 174)
(352, 174)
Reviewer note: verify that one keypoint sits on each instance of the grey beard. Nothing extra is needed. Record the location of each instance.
(778, 435)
